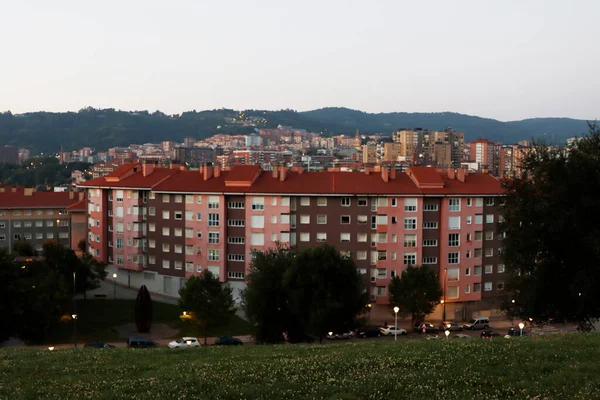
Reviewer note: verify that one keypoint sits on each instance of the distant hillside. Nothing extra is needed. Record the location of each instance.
(101, 129)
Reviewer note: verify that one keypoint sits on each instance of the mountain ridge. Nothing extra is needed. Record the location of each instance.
(105, 128)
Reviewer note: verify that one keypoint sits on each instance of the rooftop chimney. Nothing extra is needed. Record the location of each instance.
(385, 173)
(392, 172)
(282, 173)
(461, 174)
(71, 195)
(275, 172)
(208, 171)
(217, 170)
(147, 168)
(450, 173)
(28, 191)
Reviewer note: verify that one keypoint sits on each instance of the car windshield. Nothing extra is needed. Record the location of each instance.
(181, 341)
(472, 320)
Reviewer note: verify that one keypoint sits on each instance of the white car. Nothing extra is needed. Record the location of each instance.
(185, 342)
(392, 330)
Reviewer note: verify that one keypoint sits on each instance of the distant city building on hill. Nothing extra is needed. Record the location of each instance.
(100, 170)
(24, 155)
(423, 147)
(193, 156)
(486, 154)
(253, 140)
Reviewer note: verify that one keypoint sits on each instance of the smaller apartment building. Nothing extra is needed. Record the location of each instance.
(159, 226)
(36, 217)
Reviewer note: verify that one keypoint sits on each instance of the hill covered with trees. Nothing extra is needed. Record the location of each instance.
(101, 129)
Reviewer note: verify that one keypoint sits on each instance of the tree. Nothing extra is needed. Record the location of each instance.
(23, 248)
(416, 292)
(552, 244)
(210, 302)
(265, 299)
(325, 290)
(143, 310)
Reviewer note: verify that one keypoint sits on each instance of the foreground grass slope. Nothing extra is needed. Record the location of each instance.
(557, 367)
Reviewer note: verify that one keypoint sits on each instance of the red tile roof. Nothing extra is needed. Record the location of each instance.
(242, 175)
(80, 206)
(427, 181)
(37, 200)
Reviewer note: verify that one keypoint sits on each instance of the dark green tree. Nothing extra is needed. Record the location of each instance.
(10, 295)
(143, 310)
(416, 292)
(265, 299)
(23, 248)
(552, 227)
(325, 290)
(208, 300)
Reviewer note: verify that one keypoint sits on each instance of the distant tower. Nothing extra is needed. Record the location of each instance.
(60, 158)
(357, 140)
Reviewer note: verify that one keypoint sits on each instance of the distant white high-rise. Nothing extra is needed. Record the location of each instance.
(253, 140)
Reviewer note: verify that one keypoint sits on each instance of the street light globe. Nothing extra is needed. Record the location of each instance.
(513, 301)
(330, 333)
(521, 325)
(185, 313)
(369, 305)
(396, 309)
(115, 275)
(74, 316)
(442, 301)
(51, 348)
(447, 333)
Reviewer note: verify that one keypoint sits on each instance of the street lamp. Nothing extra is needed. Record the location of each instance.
(447, 333)
(114, 286)
(74, 316)
(396, 309)
(370, 307)
(444, 299)
(521, 326)
(51, 348)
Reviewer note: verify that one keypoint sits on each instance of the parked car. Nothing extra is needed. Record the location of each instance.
(185, 342)
(140, 343)
(98, 345)
(228, 341)
(426, 327)
(451, 326)
(488, 334)
(340, 335)
(368, 332)
(517, 332)
(392, 330)
(478, 323)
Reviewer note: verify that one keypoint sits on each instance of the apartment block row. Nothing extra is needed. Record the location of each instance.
(163, 225)
(35, 217)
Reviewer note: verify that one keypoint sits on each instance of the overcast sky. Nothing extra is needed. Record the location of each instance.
(504, 59)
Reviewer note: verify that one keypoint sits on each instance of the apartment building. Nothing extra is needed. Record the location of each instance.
(423, 147)
(163, 225)
(510, 159)
(40, 216)
(486, 154)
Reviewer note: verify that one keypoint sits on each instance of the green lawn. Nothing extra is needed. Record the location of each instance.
(97, 317)
(557, 367)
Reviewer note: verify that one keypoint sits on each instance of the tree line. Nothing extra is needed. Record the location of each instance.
(40, 172)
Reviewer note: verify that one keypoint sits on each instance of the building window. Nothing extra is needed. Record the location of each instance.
(178, 215)
(362, 202)
(166, 231)
(430, 207)
(469, 219)
(454, 204)
(478, 235)
(361, 219)
(395, 203)
(489, 201)
(235, 222)
(213, 255)
(501, 268)
(166, 264)
(305, 219)
(477, 270)
(468, 289)
(361, 237)
(410, 240)
(381, 255)
(344, 237)
(178, 265)
(321, 237)
(479, 202)
(213, 219)
(346, 201)
(166, 214)
(452, 292)
(453, 239)
(165, 247)
(213, 202)
(453, 257)
(213, 237)
(478, 219)
(454, 222)
(410, 258)
(322, 201)
(410, 223)
(258, 203)
(489, 235)
(345, 219)
(198, 216)
(489, 252)
(500, 285)
(478, 253)
(489, 269)
(430, 243)
(467, 271)
(235, 275)
(429, 260)
(477, 287)
(235, 257)
(165, 198)
(489, 218)
(487, 286)
(410, 205)
(321, 219)
(237, 205)
(236, 240)
(305, 237)
(305, 201)
(430, 225)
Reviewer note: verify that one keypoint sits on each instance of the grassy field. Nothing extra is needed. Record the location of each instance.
(96, 318)
(556, 367)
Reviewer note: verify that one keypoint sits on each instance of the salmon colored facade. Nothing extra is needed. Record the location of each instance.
(386, 220)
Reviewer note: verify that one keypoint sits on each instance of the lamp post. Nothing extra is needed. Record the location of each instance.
(115, 286)
(447, 333)
(74, 316)
(444, 299)
(521, 326)
(370, 306)
(396, 309)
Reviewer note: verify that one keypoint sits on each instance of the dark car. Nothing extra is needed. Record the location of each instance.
(140, 343)
(451, 326)
(487, 334)
(368, 332)
(228, 341)
(517, 332)
(426, 327)
(98, 345)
